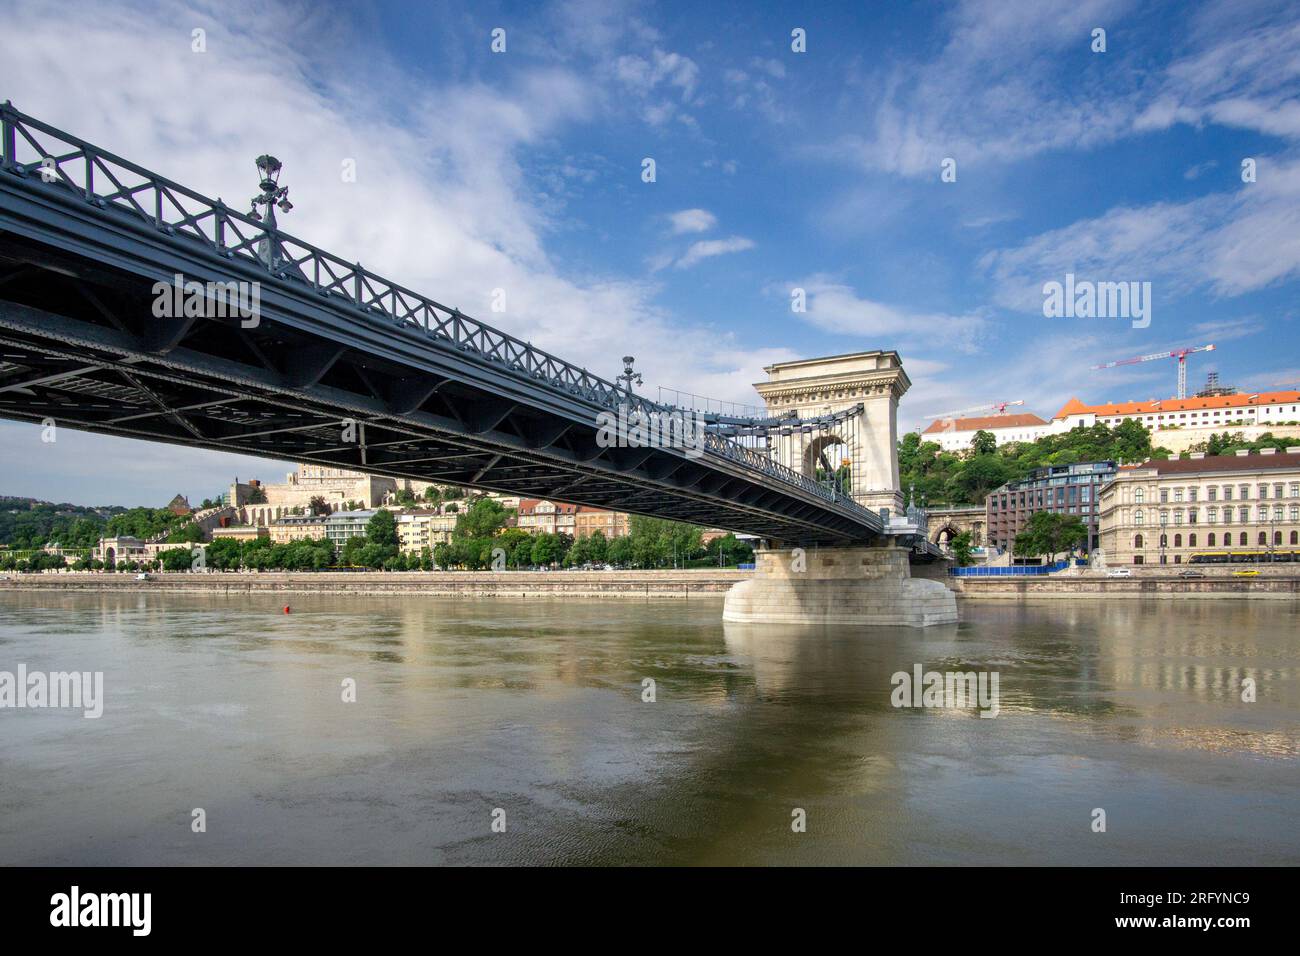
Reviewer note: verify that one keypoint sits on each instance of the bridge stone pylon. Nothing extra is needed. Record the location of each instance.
(823, 386)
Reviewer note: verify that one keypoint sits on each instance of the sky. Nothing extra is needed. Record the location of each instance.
(919, 170)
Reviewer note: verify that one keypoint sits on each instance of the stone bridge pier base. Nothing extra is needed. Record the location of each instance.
(854, 586)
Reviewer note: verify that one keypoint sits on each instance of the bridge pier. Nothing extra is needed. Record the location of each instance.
(854, 586)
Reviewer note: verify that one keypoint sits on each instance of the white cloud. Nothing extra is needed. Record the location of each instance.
(441, 202)
(1229, 243)
(708, 248)
(646, 75)
(837, 308)
(1007, 85)
(692, 220)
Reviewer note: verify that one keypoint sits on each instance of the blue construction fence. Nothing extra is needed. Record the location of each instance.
(1014, 571)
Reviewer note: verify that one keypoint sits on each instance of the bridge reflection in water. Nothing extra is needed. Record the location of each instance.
(467, 705)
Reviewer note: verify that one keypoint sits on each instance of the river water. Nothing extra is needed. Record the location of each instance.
(531, 712)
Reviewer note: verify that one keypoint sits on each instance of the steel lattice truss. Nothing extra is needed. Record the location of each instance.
(433, 394)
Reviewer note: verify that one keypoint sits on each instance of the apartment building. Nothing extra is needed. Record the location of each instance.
(424, 528)
(1067, 489)
(297, 528)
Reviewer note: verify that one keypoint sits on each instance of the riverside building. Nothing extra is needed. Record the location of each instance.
(1164, 512)
(1066, 489)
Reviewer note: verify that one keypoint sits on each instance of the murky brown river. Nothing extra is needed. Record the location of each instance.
(536, 708)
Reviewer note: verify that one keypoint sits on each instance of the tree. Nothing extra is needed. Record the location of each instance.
(598, 547)
(961, 549)
(318, 505)
(548, 549)
(176, 559)
(484, 518)
(981, 475)
(1049, 533)
(1132, 441)
(381, 529)
(984, 443)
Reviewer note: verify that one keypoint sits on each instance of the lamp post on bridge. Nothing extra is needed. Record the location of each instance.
(629, 377)
(272, 195)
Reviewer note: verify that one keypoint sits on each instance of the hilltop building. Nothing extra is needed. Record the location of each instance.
(1175, 423)
(260, 504)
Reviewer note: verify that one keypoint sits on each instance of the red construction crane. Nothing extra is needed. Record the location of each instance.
(1179, 354)
(997, 407)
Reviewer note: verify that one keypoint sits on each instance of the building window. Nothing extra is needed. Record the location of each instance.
(1295, 512)
(1191, 540)
(1227, 492)
(1137, 541)
(1191, 494)
(1241, 539)
(1211, 542)
(1191, 516)
(1139, 494)
(1137, 559)
(1137, 516)
(1263, 492)
(1243, 492)
(1295, 489)
(1277, 537)
(1212, 492)
(1164, 495)
(1263, 538)
(1164, 541)
(1212, 515)
(1178, 494)
(1263, 512)
(1277, 490)
(1277, 512)
(1178, 516)
(1295, 537)
(1178, 541)
(1164, 517)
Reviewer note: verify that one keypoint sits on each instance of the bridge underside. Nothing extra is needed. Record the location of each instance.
(79, 344)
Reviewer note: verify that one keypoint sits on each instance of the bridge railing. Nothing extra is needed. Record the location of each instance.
(111, 183)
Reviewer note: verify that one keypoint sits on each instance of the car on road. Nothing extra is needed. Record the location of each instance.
(1120, 573)
(1245, 574)
(1191, 574)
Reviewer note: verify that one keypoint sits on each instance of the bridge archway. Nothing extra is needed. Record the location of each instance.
(947, 523)
(829, 457)
(814, 387)
(943, 537)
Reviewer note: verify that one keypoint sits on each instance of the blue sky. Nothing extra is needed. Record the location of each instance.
(774, 170)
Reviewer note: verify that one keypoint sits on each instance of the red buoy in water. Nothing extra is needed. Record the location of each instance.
(286, 609)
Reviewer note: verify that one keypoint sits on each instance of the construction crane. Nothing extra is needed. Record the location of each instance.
(1179, 354)
(997, 407)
